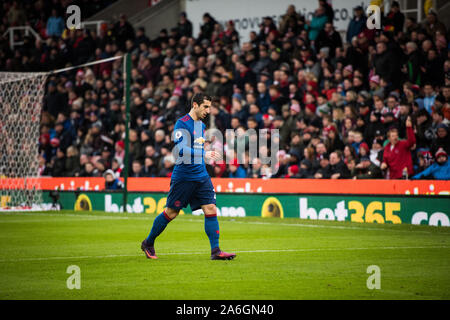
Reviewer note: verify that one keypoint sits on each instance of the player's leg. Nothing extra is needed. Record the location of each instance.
(205, 198)
(160, 223)
(213, 233)
(211, 225)
(176, 199)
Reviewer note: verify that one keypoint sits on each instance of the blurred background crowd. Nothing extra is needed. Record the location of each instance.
(372, 104)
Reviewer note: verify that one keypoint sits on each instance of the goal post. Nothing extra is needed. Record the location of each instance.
(21, 103)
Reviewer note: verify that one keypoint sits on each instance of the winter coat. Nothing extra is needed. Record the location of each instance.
(239, 173)
(114, 185)
(438, 171)
(72, 166)
(355, 27)
(383, 64)
(331, 41)
(341, 168)
(371, 172)
(317, 24)
(400, 156)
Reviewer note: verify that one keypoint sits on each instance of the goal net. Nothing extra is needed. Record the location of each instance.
(21, 98)
(21, 101)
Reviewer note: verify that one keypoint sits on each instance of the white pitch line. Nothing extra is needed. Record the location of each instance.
(148, 218)
(68, 215)
(206, 253)
(62, 219)
(304, 225)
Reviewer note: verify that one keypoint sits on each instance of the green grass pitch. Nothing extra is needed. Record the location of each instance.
(276, 258)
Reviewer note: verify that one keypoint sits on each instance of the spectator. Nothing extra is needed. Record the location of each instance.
(43, 169)
(235, 170)
(123, 31)
(136, 169)
(395, 19)
(88, 170)
(168, 164)
(15, 14)
(413, 63)
(111, 182)
(383, 63)
(289, 21)
(338, 169)
(150, 169)
(184, 26)
(440, 169)
(433, 25)
(442, 139)
(117, 167)
(365, 169)
(328, 38)
(59, 163)
(357, 24)
(317, 23)
(376, 153)
(429, 97)
(318, 97)
(207, 28)
(72, 164)
(55, 25)
(99, 168)
(397, 154)
(329, 12)
(324, 171)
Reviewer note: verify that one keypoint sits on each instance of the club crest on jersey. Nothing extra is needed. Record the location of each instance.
(200, 140)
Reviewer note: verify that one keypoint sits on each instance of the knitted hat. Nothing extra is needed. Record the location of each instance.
(121, 144)
(311, 107)
(234, 163)
(294, 169)
(54, 142)
(364, 146)
(440, 152)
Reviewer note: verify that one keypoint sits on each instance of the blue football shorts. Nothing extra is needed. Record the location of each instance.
(194, 193)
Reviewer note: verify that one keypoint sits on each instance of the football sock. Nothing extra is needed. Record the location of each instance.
(159, 224)
(212, 231)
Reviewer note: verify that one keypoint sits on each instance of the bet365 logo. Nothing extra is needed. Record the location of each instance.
(373, 17)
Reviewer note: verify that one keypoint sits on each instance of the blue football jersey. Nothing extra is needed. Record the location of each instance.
(189, 138)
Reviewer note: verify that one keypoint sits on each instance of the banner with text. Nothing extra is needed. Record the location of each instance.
(251, 12)
(368, 209)
(227, 185)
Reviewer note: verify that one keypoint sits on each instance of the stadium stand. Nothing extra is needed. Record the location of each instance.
(338, 104)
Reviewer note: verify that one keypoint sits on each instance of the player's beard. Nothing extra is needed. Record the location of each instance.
(205, 118)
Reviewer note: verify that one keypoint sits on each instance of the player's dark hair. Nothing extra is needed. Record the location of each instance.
(199, 98)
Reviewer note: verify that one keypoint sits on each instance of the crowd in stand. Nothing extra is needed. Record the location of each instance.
(373, 104)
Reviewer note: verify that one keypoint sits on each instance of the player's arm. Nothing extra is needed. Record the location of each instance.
(182, 140)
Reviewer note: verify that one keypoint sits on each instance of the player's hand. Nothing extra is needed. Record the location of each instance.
(213, 155)
(383, 166)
